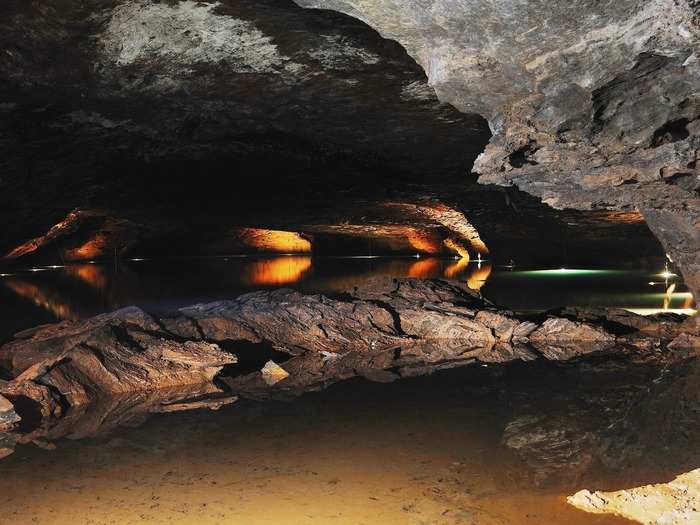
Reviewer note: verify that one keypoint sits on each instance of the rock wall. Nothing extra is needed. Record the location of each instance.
(592, 105)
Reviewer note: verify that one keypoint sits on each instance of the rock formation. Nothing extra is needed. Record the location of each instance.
(387, 329)
(674, 503)
(152, 128)
(592, 106)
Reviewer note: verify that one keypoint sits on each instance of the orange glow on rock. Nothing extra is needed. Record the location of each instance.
(274, 240)
(457, 247)
(424, 241)
(284, 270)
(92, 249)
(425, 269)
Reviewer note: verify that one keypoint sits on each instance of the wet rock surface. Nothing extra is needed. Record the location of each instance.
(292, 343)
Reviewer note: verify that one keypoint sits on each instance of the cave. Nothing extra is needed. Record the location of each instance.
(350, 261)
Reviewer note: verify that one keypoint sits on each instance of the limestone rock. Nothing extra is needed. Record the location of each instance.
(273, 373)
(674, 503)
(8, 417)
(592, 106)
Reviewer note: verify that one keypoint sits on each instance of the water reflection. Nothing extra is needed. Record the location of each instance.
(425, 269)
(274, 272)
(41, 297)
(502, 445)
(160, 285)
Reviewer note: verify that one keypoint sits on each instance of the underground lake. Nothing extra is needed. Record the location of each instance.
(284, 262)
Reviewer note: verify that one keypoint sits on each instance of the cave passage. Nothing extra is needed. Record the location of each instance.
(341, 261)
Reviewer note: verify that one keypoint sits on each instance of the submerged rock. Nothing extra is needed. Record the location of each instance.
(673, 503)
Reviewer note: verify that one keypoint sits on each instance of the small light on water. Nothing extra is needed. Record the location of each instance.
(666, 274)
(417, 256)
(137, 260)
(6, 275)
(56, 266)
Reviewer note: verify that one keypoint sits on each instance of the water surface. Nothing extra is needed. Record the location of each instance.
(47, 294)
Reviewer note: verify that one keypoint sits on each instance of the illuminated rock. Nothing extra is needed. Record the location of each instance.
(592, 107)
(274, 240)
(674, 503)
(8, 416)
(272, 373)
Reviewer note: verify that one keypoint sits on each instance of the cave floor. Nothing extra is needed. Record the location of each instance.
(486, 444)
(469, 446)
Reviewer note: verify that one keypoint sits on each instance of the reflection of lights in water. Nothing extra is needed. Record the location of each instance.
(666, 274)
(43, 299)
(89, 274)
(478, 277)
(6, 274)
(688, 299)
(55, 266)
(565, 272)
(139, 260)
(425, 269)
(668, 295)
(453, 270)
(277, 271)
(38, 269)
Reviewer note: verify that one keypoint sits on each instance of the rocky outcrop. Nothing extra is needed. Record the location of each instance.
(674, 503)
(591, 107)
(161, 128)
(398, 326)
(72, 363)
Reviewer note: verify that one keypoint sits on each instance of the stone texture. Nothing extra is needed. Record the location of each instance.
(8, 416)
(111, 354)
(591, 105)
(152, 127)
(674, 503)
(408, 326)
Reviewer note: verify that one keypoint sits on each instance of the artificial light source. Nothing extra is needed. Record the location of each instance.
(666, 274)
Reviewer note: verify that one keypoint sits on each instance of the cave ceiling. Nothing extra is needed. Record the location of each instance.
(165, 120)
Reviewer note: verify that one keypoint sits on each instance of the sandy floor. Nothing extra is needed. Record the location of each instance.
(322, 459)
